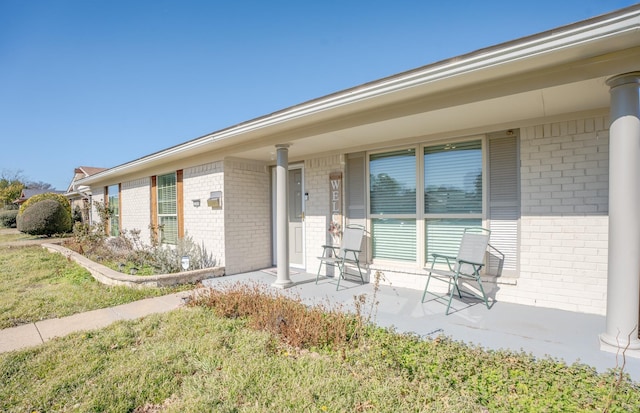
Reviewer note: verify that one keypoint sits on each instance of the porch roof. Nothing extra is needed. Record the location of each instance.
(513, 84)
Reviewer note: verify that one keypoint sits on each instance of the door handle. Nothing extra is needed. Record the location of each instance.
(302, 215)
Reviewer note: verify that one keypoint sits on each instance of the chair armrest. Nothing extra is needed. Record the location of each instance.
(448, 258)
(333, 250)
(481, 264)
(435, 255)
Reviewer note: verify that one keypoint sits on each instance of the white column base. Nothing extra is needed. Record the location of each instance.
(617, 345)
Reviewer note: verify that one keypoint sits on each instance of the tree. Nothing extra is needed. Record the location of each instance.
(38, 185)
(11, 185)
(13, 182)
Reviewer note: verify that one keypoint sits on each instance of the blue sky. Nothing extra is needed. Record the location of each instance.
(104, 82)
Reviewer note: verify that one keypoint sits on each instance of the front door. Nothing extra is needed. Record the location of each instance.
(296, 216)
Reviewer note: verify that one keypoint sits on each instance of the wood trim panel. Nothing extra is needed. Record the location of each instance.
(120, 207)
(154, 209)
(107, 227)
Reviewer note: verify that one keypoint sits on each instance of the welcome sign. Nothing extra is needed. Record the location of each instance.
(335, 200)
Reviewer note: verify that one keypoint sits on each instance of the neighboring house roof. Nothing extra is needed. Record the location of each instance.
(28, 193)
(88, 170)
(79, 173)
(509, 85)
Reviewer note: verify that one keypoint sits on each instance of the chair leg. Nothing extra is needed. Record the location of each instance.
(428, 279)
(341, 273)
(359, 270)
(484, 295)
(319, 268)
(455, 284)
(426, 287)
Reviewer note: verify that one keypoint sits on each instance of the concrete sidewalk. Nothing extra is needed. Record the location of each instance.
(33, 334)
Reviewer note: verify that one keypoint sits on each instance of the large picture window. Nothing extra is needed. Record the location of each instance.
(410, 221)
(168, 208)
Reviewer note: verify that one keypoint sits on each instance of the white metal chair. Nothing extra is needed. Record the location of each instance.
(347, 253)
(466, 265)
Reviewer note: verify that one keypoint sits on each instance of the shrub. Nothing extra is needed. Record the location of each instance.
(295, 323)
(167, 259)
(47, 195)
(47, 217)
(8, 218)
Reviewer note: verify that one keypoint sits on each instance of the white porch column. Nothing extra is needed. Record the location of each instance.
(282, 216)
(623, 279)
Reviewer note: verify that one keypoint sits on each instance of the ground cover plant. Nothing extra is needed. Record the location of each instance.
(36, 284)
(128, 253)
(246, 349)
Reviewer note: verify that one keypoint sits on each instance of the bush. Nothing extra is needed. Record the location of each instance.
(47, 195)
(8, 218)
(47, 217)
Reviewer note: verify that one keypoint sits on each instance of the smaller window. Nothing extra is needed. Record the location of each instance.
(167, 208)
(453, 178)
(392, 182)
(394, 239)
(443, 236)
(113, 203)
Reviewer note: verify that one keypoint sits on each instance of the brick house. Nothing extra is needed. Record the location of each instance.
(79, 196)
(536, 139)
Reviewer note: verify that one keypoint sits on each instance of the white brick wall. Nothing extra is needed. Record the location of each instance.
(203, 224)
(135, 198)
(317, 209)
(564, 224)
(97, 195)
(247, 216)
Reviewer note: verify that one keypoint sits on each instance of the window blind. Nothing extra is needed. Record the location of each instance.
(443, 236)
(453, 178)
(392, 183)
(168, 208)
(394, 239)
(167, 196)
(169, 233)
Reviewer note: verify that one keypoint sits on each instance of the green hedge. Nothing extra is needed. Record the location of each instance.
(47, 217)
(8, 218)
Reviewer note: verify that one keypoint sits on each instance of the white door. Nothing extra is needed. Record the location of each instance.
(296, 216)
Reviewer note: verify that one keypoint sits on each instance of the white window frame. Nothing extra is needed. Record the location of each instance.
(159, 215)
(420, 216)
(116, 208)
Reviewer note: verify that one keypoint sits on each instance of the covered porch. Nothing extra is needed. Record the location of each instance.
(542, 332)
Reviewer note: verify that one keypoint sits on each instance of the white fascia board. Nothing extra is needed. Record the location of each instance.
(463, 67)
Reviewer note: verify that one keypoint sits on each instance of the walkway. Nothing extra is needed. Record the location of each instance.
(33, 334)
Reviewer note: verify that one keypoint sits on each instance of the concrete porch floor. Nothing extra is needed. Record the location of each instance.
(542, 332)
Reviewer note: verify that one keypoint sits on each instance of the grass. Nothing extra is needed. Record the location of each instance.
(210, 358)
(37, 285)
(11, 236)
(248, 349)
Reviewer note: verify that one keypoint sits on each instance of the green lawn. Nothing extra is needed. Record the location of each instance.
(242, 351)
(8, 235)
(37, 285)
(191, 360)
